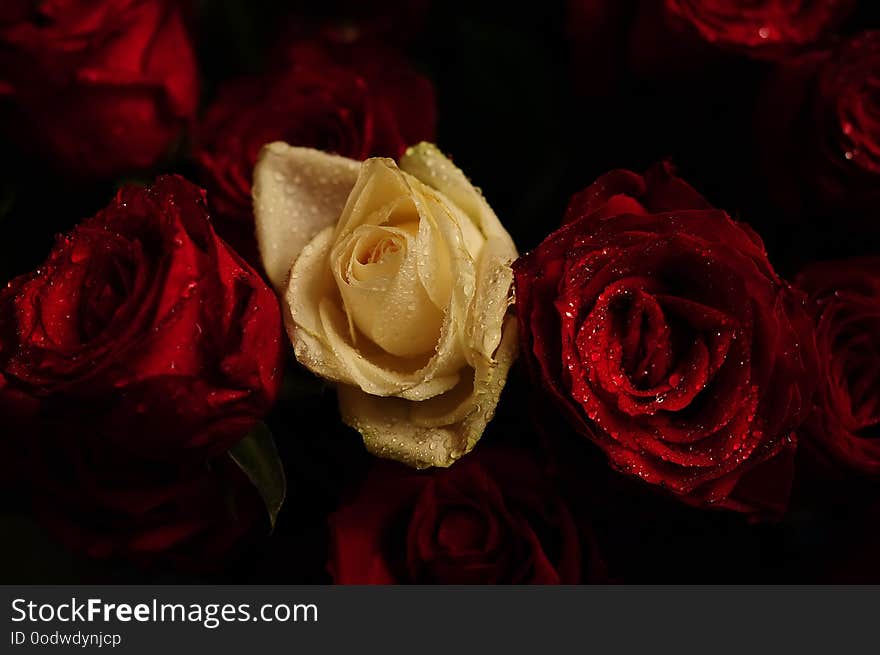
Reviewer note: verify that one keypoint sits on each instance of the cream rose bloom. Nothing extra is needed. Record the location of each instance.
(397, 286)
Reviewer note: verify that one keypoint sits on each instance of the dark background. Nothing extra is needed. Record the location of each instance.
(511, 114)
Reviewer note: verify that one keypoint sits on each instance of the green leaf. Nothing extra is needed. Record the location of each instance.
(257, 456)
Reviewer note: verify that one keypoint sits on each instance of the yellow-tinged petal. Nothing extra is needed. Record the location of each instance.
(426, 163)
(297, 193)
(402, 298)
(438, 431)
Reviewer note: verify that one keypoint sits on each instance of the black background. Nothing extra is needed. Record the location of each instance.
(510, 115)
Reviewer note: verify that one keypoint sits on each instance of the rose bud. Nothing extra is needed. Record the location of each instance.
(397, 283)
(819, 131)
(357, 102)
(661, 331)
(98, 87)
(149, 348)
(494, 518)
(845, 424)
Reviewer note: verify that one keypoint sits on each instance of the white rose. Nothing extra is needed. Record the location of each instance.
(397, 286)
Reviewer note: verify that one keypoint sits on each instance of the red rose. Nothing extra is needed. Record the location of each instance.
(356, 101)
(100, 87)
(190, 518)
(663, 334)
(658, 38)
(820, 131)
(846, 421)
(148, 347)
(759, 28)
(493, 518)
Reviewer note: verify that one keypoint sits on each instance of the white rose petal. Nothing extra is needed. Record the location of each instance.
(399, 289)
(297, 193)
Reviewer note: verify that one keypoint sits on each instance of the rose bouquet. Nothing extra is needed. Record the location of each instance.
(293, 340)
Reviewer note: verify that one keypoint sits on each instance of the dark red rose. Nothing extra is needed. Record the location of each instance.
(156, 515)
(493, 518)
(653, 39)
(661, 331)
(845, 424)
(99, 87)
(142, 349)
(356, 101)
(819, 131)
(759, 28)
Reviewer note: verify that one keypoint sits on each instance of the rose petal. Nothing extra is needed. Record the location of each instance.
(438, 431)
(297, 193)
